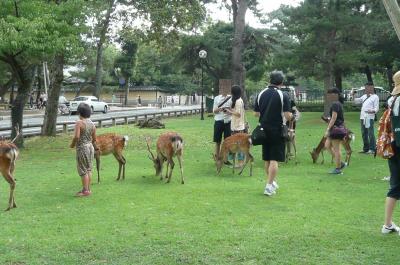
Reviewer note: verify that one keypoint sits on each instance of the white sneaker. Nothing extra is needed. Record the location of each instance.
(390, 229)
(269, 190)
(275, 185)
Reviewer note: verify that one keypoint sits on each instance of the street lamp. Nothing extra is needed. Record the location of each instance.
(202, 55)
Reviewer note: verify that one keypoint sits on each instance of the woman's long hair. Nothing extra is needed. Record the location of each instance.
(236, 93)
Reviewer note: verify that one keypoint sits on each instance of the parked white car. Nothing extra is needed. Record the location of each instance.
(92, 101)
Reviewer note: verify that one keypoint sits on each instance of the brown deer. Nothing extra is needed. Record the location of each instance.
(321, 147)
(8, 155)
(111, 143)
(169, 144)
(239, 142)
(291, 143)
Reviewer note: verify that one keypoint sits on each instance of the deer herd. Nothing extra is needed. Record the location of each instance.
(168, 146)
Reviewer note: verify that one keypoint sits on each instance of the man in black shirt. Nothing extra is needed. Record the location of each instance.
(272, 106)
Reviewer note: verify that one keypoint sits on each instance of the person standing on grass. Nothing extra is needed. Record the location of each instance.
(336, 131)
(222, 121)
(370, 107)
(85, 142)
(238, 117)
(272, 106)
(393, 194)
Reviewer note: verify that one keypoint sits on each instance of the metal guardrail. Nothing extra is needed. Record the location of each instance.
(34, 129)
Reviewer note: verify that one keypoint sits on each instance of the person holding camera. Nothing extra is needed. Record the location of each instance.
(222, 120)
(369, 109)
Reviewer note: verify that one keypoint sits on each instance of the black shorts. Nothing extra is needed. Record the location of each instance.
(221, 128)
(394, 167)
(274, 147)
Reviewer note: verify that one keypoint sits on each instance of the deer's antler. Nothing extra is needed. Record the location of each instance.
(17, 131)
(148, 148)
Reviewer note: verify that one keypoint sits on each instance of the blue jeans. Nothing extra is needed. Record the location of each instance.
(368, 136)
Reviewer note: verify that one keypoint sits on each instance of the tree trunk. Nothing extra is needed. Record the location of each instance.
(389, 74)
(239, 8)
(393, 11)
(56, 76)
(368, 73)
(328, 83)
(4, 88)
(17, 109)
(338, 79)
(102, 39)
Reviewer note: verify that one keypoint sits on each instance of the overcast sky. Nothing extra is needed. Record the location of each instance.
(266, 6)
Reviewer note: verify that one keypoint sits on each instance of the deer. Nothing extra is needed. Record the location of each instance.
(236, 143)
(8, 155)
(321, 147)
(169, 144)
(291, 143)
(111, 143)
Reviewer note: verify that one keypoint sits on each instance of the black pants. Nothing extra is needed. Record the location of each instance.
(221, 128)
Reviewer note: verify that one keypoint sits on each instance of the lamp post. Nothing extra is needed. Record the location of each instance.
(202, 55)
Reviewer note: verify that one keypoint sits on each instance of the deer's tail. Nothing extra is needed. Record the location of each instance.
(126, 139)
(177, 143)
(12, 154)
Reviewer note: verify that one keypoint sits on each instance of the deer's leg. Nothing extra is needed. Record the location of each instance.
(97, 157)
(123, 166)
(172, 164)
(12, 167)
(166, 172)
(121, 163)
(8, 177)
(295, 149)
(234, 163)
(181, 168)
(249, 157)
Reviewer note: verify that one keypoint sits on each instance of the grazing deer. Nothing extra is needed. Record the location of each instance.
(291, 143)
(239, 142)
(8, 155)
(111, 143)
(169, 144)
(321, 147)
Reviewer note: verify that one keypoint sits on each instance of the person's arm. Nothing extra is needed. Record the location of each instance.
(216, 110)
(360, 100)
(331, 122)
(236, 111)
(77, 134)
(376, 105)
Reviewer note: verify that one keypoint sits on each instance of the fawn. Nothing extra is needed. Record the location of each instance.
(234, 144)
(321, 147)
(111, 143)
(8, 155)
(169, 144)
(291, 143)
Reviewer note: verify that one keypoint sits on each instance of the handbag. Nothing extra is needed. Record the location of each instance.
(384, 141)
(338, 132)
(258, 136)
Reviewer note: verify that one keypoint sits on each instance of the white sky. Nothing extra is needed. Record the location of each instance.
(266, 6)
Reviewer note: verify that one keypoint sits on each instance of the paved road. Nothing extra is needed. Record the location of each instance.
(37, 120)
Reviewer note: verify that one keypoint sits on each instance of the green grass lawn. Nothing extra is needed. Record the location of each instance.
(315, 218)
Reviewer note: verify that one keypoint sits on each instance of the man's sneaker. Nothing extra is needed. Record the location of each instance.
(387, 178)
(83, 193)
(275, 185)
(336, 171)
(343, 165)
(392, 228)
(269, 190)
(370, 152)
(362, 152)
